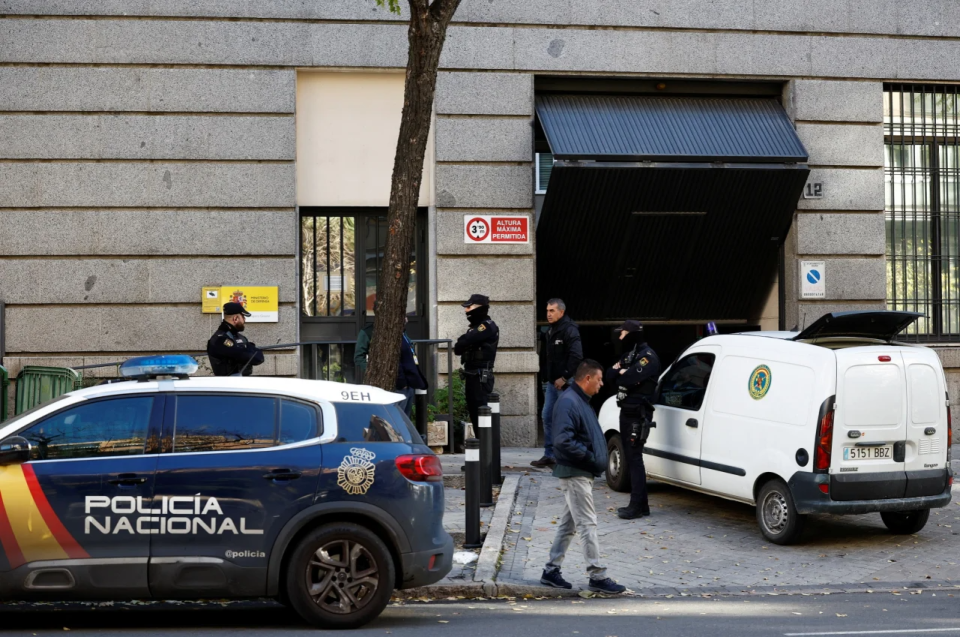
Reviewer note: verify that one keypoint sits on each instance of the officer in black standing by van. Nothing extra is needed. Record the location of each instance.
(635, 376)
(477, 350)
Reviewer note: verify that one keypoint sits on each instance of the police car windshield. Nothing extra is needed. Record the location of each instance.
(26, 415)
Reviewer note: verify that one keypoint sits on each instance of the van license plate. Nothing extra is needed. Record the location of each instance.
(868, 453)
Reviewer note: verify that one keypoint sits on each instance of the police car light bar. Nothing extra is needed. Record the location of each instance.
(179, 365)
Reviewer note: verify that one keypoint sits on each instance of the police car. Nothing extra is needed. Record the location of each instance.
(319, 494)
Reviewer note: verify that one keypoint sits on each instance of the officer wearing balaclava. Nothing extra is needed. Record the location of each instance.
(635, 377)
(477, 349)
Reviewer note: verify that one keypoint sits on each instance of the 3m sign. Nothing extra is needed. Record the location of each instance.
(490, 229)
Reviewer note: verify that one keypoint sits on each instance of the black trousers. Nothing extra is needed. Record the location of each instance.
(477, 394)
(633, 463)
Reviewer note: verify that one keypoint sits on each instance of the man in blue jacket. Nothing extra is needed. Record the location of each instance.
(581, 455)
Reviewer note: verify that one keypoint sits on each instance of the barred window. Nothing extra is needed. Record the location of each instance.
(922, 211)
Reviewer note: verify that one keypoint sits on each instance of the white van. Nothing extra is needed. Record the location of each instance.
(836, 419)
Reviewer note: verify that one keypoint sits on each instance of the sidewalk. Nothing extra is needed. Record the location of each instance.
(695, 543)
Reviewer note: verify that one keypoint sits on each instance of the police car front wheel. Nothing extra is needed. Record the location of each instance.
(340, 576)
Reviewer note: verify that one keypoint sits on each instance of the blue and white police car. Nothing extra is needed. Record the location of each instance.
(319, 494)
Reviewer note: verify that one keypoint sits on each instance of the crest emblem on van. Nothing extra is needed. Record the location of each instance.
(760, 381)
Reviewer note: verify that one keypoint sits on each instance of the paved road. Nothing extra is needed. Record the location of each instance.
(696, 542)
(780, 616)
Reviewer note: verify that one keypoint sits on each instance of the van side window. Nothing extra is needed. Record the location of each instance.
(686, 383)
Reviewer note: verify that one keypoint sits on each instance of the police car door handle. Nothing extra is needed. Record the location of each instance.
(127, 480)
(282, 475)
(692, 422)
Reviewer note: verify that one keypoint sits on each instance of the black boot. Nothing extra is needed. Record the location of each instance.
(631, 512)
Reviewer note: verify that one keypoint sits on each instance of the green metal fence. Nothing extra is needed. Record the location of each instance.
(36, 385)
(4, 385)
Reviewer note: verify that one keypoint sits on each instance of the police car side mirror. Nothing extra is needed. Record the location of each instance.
(14, 450)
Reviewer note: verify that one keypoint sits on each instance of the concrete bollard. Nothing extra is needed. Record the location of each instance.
(485, 425)
(494, 403)
(472, 477)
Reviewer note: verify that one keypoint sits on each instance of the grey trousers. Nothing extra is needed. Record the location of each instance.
(580, 515)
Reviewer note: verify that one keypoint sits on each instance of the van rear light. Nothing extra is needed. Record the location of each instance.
(825, 488)
(420, 468)
(884, 359)
(949, 433)
(824, 449)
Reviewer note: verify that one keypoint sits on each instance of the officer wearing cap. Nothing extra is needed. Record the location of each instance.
(229, 351)
(635, 376)
(477, 350)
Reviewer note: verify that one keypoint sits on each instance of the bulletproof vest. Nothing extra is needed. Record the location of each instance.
(223, 366)
(483, 355)
(646, 388)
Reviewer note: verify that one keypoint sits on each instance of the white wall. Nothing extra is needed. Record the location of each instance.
(347, 128)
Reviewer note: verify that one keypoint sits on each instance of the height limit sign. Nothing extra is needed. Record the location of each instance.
(489, 229)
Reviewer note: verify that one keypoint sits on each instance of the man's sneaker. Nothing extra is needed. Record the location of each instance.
(554, 579)
(545, 461)
(629, 513)
(605, 585)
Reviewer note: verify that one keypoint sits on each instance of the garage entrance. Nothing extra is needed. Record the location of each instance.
(668, 209)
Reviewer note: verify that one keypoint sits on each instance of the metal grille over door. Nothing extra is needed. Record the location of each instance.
(922, 185)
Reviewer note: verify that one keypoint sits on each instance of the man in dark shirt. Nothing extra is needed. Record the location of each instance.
(563, 354)
(228, 350)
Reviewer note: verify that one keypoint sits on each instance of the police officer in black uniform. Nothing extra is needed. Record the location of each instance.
(478, 352)
(635, 376)
(229, 351)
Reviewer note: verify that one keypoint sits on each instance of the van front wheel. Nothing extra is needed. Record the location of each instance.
(777, 515)
(906, 523)
(618, 474)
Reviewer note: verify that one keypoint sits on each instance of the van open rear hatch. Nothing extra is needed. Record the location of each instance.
(880, 325)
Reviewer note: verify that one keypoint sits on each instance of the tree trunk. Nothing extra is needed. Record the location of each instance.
(428, 30)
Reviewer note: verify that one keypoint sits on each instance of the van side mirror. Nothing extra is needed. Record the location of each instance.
(14, 450)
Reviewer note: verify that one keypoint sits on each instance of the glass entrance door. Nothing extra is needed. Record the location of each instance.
(341, 257)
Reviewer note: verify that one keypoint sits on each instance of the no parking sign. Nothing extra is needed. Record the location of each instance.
(813, 280)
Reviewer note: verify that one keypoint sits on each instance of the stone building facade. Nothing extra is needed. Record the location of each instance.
(149, 148)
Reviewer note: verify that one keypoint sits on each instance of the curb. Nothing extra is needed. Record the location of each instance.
(482, 584)
(493, 543)
(533, 590)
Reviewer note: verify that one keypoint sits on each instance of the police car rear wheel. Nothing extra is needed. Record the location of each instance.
(618, 478)
(777, 515)
(340, 576)
(906, 523)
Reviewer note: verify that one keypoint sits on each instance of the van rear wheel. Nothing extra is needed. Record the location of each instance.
(618, 476)
(777, 515)
(906, 523)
